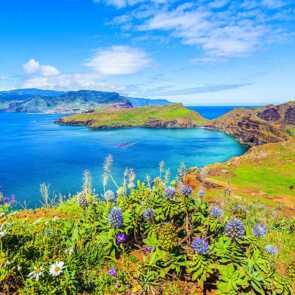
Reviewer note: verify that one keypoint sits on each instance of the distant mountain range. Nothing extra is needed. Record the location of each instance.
(51, 101)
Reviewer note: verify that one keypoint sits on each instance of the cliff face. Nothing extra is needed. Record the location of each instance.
(259, 126)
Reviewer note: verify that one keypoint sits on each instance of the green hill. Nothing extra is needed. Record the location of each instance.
(170, 116)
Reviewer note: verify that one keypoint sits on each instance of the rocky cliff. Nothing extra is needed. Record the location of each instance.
(259, 126)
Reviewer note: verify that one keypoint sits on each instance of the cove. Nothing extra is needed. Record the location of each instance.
(34, 150)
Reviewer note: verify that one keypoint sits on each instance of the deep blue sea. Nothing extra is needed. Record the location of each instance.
(34, 150)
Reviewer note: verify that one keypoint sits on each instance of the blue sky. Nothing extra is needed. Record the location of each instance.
(205, 52)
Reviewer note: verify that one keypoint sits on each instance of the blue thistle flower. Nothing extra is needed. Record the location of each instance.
(270, 249)
(121, 238)
(259, 230)
(186, 190)
(148, 214)
(112, 272)
(234, 228)
(216, 212)
(170, 192)
(116, 217)
(200, 246)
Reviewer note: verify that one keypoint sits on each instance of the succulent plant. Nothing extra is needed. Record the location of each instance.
(167, 236)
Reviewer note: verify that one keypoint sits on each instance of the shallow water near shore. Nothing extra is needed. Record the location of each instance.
(34, 150)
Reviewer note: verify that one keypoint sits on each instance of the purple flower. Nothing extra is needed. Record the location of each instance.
(12, 200)
(259, 230)
(186, 190)
(116, 217)
(200, 246)
(112, 272)
(216, 212)
(121, 238)
(234, 228)
(148, 249)
(169, 192)
(148, 214)
(270, 249)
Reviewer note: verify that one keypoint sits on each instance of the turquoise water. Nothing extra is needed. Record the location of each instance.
(34, 150)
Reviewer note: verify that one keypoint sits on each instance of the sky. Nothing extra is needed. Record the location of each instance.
(198, 52)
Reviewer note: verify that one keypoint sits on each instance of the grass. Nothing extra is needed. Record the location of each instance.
(266, 171)
(110, 117)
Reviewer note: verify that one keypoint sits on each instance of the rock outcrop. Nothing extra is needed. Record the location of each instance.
(269, 124)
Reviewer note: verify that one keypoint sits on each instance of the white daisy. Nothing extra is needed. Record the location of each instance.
(56, 268)
(37, 273)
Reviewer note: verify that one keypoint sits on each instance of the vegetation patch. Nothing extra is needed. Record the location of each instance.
(151, 237)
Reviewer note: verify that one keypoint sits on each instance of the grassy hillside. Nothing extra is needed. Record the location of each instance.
(265, 172)
(174, 115)
(158, 238)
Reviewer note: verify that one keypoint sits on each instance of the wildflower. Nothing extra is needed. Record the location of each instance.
(148, 249)
(216, 212)
(186, 190)
(112, 272)
(56, 268)
(109, 196)
(121, 238)
(131, 179)
(270, 249)
(234, 228)
(37, 273)
(148, 214)
(169, 192)
(116, 217)
(82, 201)
(200, 246)
(87, 182)
(167, 176)
(259, 230)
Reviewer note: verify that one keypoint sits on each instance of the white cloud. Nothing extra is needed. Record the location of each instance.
(74, 81)
(34, 67)
(220, 28)
(114, 61)
(31, 67)
(119, 60)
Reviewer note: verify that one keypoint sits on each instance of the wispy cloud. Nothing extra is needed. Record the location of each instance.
(169, 91)
(221, 28)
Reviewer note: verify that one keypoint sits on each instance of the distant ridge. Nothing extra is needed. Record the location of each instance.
(35, 100)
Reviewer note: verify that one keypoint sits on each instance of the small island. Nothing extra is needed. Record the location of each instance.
(170, 116)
